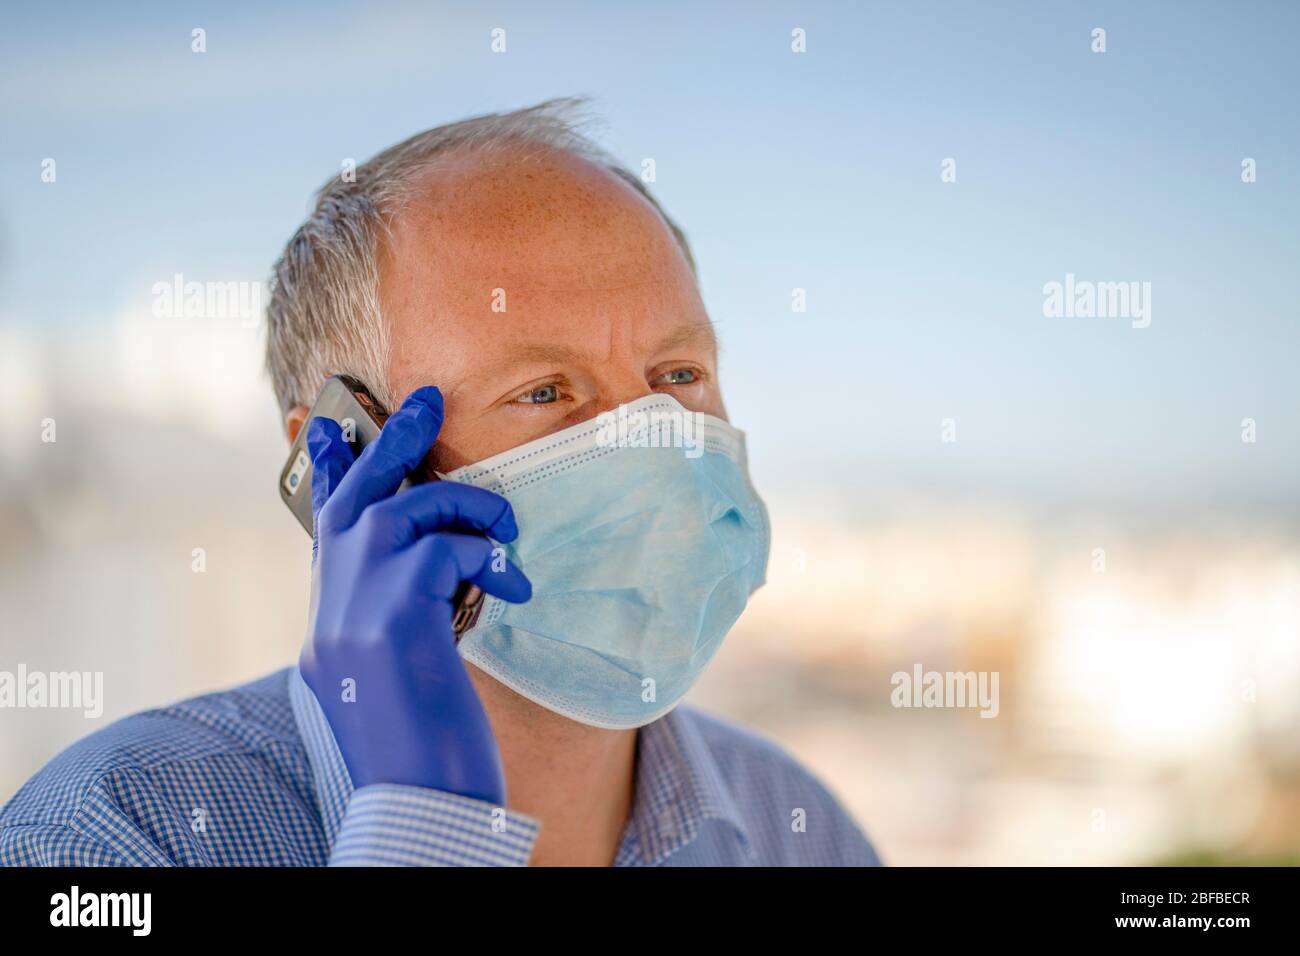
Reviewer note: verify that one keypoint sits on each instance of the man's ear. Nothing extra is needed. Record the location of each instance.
(293, 420)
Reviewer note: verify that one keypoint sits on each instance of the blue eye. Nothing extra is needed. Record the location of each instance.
(543, 395)
(679, 376)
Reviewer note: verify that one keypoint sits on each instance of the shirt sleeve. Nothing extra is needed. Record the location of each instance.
(389, 824)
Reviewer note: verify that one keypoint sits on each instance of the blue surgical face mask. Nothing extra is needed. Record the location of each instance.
(643, 538)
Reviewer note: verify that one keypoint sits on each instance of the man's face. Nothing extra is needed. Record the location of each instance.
(600, 306)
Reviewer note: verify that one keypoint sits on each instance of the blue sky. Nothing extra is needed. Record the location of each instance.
(818, 171)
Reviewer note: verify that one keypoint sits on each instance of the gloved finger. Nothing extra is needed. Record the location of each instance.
(447, 506)
(331, 457)
(446, 559)
(403, 441)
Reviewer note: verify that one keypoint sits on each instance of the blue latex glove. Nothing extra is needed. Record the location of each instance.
(385, 570)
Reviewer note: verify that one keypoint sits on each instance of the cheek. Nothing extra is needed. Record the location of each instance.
(463, 442)
(708, 401)
(467, 437)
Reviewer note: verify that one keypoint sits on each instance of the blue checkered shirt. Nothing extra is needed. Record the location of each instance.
(253, 777)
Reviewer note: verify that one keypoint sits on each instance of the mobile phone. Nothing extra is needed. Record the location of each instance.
(348, 402)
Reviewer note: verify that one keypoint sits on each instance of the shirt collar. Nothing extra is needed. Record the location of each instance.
(679, 786)
(679, 790)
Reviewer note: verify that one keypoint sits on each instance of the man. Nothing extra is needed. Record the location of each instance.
(537, 309)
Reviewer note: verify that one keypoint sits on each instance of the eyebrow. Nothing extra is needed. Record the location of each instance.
(693, 334)
(696, 333)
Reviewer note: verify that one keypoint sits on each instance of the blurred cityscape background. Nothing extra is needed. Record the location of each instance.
(1149, 705)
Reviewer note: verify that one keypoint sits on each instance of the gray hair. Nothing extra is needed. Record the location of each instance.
(323, 317)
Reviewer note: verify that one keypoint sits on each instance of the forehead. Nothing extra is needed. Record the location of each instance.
(572, 253)
(540, 220)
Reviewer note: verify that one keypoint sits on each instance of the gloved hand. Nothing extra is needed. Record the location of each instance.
(384, 573)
